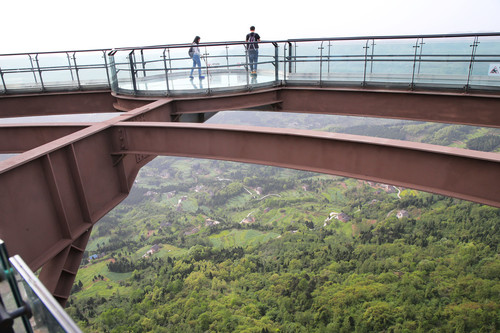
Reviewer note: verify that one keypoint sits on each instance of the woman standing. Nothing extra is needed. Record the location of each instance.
(195, 51)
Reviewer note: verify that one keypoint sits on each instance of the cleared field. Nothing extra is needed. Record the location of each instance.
(230, 238)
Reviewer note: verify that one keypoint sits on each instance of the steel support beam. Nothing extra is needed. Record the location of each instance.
(18, 138)
(53, 194)
(44, 104)
(460, 173)
(452, 108)
(69, 177)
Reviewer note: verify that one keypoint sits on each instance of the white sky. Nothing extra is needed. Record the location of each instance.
(56, 25)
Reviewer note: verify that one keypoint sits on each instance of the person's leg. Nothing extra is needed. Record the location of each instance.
(198, 62)
(251, 59)
(194, 65)
(256, 59)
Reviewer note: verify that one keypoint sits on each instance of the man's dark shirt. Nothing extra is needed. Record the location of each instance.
(254, 45)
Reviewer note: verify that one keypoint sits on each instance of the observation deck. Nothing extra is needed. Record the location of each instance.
(459, 63)
(66, 176)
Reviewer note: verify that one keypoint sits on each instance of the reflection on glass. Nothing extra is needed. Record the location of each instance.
(26, 304)
(435, 62)
(48, 315)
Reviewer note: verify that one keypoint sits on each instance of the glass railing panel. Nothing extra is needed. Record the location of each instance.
(343, 62)
(390, 61)
(27, 306)
(21, 79)
(123, 71)
(266, 70)
(485, 72)
(8, 298)
(48, 315)
(235, 59)
(228, 66)
(149, 60)
(91, 67)
(443, 62)
(92, 76)
(305, 61)
(18, 72)
(430, 62)
(56, 70)
(10, 62)
(88, 58)
(168, 70)
(155, 69)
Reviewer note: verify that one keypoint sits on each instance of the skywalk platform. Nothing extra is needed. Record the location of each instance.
(78, 172)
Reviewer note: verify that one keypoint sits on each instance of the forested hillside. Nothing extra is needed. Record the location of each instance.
(217, 246)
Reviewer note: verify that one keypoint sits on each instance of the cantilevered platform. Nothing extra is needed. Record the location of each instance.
(68, 176)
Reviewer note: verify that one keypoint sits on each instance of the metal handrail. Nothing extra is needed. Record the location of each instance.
(183, 45)
(293, 59)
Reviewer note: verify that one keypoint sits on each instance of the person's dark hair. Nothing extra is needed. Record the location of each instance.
(252, 28)
(196, 40)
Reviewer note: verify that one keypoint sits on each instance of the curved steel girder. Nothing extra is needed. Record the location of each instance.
(460, 173)
(455, 108)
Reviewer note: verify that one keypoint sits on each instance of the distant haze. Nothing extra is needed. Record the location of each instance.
(55, 25)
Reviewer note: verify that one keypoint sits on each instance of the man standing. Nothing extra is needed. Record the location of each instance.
(253, 49)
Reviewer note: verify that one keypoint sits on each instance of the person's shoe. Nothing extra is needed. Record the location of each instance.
(201, 77)
(191, 77)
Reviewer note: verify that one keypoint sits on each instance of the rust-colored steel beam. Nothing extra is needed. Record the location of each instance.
(44, 104)
(460, 173)
(453, 108)
(237, 101)
(18, 138)
(53, 194)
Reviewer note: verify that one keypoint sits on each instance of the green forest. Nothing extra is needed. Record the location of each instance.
(213, 246)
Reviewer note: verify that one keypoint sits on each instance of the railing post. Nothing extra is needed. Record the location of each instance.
(69, 64)
(76, 71)
(420, 55)
(166, 70)
(247, 66)
(276, 62)
(206, 54)
(106, 66)
(132, 70)
(474, 45)
(112, 68)
(39, 72)
(416, 47)
(3, 81)
(371, 58)
(143, 63)
(366, 47)
(321, 63)
(32, 68)
(329, 54)
(284, 61)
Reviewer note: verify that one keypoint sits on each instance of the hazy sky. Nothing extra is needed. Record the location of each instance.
(54, 25)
